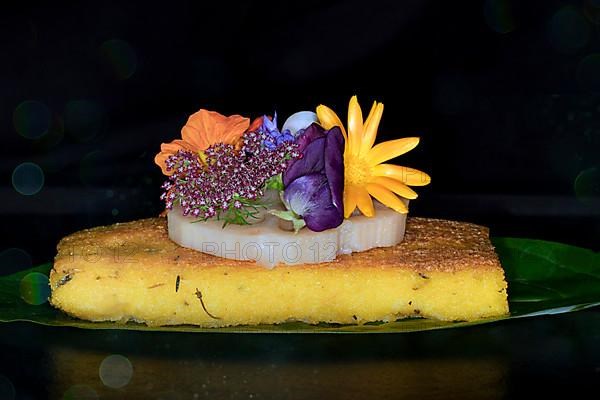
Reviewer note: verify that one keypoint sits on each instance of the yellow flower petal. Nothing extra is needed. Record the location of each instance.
(386, 197)
(202, 156)
(409, 176)
(392, 148)
(396, 186)
(355, 126)
(328, 119)
(349, 201)
(363, 201)
(371, 112)
(370, 129)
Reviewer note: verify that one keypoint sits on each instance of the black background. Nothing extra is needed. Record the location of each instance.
(505, 96)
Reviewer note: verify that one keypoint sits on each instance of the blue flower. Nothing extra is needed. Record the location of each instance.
(275, 137)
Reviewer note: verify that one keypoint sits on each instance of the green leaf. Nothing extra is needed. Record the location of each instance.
(275, 183)
(543, 278)
(547, 276)
(288, 215)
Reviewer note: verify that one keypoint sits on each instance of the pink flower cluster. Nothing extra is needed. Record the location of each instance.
(228, 180)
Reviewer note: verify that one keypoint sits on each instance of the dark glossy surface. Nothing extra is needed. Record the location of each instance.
(542, 356)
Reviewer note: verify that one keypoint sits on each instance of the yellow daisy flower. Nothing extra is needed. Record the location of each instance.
(365, 172)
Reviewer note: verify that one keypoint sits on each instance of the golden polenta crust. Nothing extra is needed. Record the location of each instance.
(131, 271)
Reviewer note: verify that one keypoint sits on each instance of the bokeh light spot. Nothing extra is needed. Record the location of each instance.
(115, 371)
(119, 57)
(80, 392)
(84, 119)
(588, 73)
(114, 212)
(14, 260)
(34, 288)
(31, 119)
(7, 390)
(587, 186)
(569, 30)
(498, 15)
(28, 178)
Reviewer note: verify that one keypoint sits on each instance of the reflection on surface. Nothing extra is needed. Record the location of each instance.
(184, 377)
(542, 356)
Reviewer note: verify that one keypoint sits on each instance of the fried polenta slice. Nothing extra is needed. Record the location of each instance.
(445, 270)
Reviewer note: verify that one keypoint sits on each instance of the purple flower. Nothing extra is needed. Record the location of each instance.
(274, 137)
(314, 183)
(228, 181)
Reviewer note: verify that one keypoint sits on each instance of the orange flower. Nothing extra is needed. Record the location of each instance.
(203, 129)
(257, 123)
